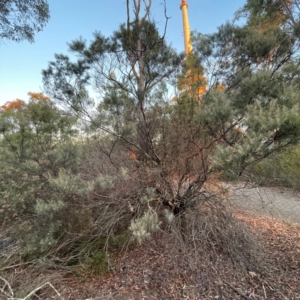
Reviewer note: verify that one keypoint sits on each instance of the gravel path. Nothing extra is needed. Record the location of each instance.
(281, 204)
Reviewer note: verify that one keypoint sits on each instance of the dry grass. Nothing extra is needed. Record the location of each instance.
(217, 232)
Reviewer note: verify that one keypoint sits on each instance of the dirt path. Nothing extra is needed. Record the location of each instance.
(280, 204)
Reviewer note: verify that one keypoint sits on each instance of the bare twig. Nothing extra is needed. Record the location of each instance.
(237, 291)
(10, 292)
(39, 288)
(265, 294)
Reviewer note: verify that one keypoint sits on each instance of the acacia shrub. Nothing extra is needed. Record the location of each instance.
(36, 140)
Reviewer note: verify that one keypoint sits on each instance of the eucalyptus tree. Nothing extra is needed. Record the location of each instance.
(20, 20)
(270, 13)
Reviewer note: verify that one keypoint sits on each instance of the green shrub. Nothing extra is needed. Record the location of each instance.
(281, 169)
(97, 262)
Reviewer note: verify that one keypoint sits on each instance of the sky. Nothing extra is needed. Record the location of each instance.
(21, 63)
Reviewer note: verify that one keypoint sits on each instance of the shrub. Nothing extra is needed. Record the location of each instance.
(281, 169)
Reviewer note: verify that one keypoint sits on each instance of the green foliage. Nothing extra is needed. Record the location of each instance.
(46, 195)
(142, 227)
(35, 142)
(88, 254)
(69, 184)
(41, 207)
(38, 243)
(258, 111)
(31, 132)
(19, 21)
(18, 189)
(280, 170)
(95, 260)
(265, 13)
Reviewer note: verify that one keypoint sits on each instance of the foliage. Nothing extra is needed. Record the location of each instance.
(35, 142)
(97, 262)
(280, 170)
(142, 227)
(258, 70)
(28, 130)
(20, 20)
(268, 13)
(13, 105)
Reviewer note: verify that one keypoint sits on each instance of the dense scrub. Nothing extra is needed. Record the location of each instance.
(81, 180)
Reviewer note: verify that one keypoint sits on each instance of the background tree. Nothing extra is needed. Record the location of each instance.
(29, 129)
(20, 20)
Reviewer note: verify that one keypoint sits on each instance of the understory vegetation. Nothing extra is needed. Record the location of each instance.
(280, 170)
(85, 179)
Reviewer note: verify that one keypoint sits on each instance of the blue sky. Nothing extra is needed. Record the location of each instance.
(21, 63)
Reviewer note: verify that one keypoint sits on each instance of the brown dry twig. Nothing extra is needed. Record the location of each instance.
(239, 292)
(10, 294)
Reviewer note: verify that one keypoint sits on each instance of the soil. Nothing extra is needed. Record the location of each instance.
(279, 203)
